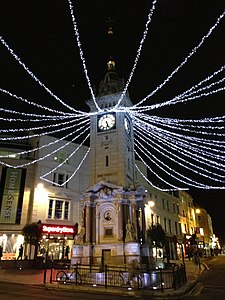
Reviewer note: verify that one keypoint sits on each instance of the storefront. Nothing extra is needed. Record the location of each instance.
(57, 241)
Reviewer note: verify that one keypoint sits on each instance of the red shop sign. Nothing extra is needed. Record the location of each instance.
(57, 229)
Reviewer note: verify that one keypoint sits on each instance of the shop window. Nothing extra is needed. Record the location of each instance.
(58, 209)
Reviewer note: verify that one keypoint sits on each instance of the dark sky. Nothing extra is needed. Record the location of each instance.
(41, 34)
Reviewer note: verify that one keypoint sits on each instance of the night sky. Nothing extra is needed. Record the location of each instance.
(41, 34)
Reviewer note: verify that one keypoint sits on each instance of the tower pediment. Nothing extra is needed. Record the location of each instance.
(104, 190)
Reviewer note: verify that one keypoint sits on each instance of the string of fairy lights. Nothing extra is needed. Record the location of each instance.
(178, 153)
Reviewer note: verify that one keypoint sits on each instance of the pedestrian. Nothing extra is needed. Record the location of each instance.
(1, 254)
(67, 252)
(20, 252)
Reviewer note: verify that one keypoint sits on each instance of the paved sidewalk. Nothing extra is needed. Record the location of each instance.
(36, 277)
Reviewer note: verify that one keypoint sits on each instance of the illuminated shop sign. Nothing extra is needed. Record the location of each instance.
(57, 229)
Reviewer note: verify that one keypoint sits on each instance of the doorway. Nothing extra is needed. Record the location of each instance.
(106, 257)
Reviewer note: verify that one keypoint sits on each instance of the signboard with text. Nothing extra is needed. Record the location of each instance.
(12, 192)
(57, 229)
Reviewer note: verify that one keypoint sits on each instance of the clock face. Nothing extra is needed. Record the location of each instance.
(106, 122)
(127, 125)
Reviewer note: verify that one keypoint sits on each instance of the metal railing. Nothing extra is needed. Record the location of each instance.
(109, 276)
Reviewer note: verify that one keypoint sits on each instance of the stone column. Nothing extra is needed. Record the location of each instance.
(88, 225)
(120, 220)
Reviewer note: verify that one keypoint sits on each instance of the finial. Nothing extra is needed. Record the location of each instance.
(111, 63)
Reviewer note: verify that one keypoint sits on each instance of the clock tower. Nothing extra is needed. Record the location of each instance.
(112, 227)
(111, 154)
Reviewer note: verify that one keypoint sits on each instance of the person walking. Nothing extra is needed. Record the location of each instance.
(67, 252)
(20, 256)
(1, 252)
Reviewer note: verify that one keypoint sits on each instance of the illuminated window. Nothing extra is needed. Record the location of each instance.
(58, 209)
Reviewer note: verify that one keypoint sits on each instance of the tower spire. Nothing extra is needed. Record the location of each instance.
(111, 66)
(111, 83)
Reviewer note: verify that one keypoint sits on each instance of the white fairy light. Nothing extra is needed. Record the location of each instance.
(193, 51)
(203, 81)
(47, 145)
(69, 156)
(74, 173)
(34, 77)
(45, 156)
(138, 53)
(27, 136)
(32, 103)
(40, 127)
(184, 163)
(81, 54)
(190, 128)
(200, 158)
(182, 142)
(170, 155)
(158, 188)
(168, 173)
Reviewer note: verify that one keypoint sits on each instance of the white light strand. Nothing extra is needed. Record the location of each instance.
(66, 160)
(40, 127)
(32, 103)
(34, 120)
(34, 77)
(198, 143)
(74, 173)
(138, 53)
(164, 142)
(139, 145)
(193, 51)
(181, 127)
(35, 135)
(158, 188)
(201, 82)
(9, 111)
(170, 174)
(43, 157)
(175, 101)
(211, 142)
(199, 158)
(81, 53)
(47, 145)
